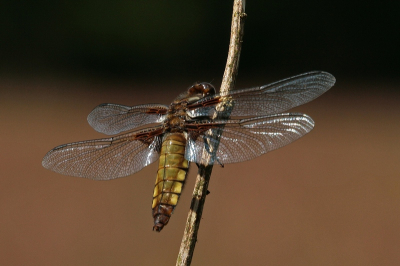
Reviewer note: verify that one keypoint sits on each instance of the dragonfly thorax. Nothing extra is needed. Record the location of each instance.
(176, 116)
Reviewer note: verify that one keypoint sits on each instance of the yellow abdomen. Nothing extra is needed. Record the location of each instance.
(171, 177)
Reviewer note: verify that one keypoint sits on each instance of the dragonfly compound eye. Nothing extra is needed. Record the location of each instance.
(204, 89)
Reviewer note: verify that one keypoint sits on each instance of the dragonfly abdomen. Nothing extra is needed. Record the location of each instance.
(171, 177)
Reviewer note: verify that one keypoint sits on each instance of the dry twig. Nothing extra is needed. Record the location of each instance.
(205, 168)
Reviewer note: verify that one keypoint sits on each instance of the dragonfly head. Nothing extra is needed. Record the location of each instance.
(197, 92)
(203, 89)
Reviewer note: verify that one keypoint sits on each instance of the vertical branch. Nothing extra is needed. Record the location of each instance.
(235, 46)
(205, 167)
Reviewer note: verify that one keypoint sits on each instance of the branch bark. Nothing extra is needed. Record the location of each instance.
(205, 168)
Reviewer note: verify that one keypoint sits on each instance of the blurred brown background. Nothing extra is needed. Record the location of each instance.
(331, 198)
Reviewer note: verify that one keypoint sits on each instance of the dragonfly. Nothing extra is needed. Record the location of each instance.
(244, 123)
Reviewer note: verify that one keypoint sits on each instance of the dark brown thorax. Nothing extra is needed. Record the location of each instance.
(176, 115)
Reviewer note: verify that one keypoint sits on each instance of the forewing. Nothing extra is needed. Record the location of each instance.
(246, 139)
(268, 99)
(108, 158)
(112, 119)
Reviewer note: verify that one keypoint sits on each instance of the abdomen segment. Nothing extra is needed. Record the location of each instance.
(171, 177)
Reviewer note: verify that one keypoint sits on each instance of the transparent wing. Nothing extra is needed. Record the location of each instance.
(108, 158)
(268, 99)
(246, 139)
(112, 119)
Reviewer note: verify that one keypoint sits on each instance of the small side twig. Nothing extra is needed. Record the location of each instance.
(205, 167)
